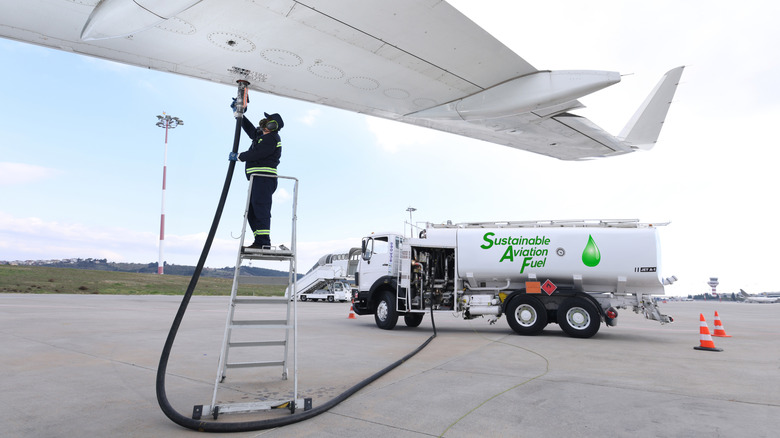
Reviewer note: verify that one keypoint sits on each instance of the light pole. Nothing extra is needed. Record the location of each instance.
(167, 122)
(411, 224)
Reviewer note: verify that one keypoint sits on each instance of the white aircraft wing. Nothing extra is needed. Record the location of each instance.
(415, 61)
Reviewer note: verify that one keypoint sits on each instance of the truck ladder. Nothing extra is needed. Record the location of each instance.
(269, 334)
(403, 281)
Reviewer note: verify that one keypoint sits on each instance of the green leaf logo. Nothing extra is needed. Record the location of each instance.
(591, 255)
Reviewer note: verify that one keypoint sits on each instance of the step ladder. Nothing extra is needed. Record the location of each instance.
(270, 337)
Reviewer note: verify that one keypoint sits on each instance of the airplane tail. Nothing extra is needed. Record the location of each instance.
(642, 130)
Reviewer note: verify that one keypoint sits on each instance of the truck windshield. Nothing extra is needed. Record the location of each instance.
(374, 245)
(380, 245)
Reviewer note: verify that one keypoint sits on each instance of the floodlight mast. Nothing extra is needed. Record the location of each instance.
(167, 122)
(411, 222)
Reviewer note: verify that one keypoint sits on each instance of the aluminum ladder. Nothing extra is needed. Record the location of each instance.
(265, 350)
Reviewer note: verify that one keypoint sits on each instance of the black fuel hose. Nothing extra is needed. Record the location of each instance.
(244, 426)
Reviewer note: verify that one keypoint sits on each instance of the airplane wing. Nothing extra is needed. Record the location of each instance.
(415, 61)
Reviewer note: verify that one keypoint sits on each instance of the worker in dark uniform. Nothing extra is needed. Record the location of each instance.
(261, 158)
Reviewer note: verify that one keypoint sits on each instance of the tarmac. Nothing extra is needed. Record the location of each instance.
(85, 366)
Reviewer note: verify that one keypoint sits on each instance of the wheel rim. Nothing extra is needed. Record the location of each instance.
(525, 315)
(381, 310)
(578, 318)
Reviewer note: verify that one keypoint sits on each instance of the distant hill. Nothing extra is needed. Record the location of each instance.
(148, 268)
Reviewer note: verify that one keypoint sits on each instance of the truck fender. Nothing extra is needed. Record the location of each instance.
(508, 299)
(595, 303)
(387, 282)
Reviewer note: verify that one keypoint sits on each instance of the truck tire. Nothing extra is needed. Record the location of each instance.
(413, 319)
(386, 316)
(578, 318)
(330, 299)
(526, 315)
(302, 298)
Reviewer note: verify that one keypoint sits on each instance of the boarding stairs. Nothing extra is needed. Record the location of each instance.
(269, 340)
(318, 278)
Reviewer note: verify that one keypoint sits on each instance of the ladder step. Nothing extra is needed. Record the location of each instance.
(275, 363)
(257, 344)
(267, 323)
(258, 300)
(266, 254)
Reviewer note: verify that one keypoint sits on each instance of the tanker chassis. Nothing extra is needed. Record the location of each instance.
(573, 273)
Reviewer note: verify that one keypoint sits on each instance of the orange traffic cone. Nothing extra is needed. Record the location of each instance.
(706, 339)
(719, 331)
(351, 313)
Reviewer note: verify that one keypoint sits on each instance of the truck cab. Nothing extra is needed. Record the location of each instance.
(375, 274)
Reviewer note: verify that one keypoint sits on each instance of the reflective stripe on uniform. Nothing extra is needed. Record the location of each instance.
(262, 233)
(261, 170)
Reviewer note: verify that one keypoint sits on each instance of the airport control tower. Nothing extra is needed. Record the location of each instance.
(713, 283)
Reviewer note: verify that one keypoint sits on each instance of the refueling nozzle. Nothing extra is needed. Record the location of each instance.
(242, 99)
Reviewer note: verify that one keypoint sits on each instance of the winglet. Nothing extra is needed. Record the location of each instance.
(643, 128)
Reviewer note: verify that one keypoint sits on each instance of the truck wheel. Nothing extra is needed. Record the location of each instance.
(330, 299)
(303, 297)
(386, 316)
(526, 315)
(578, 318)
(413, 319)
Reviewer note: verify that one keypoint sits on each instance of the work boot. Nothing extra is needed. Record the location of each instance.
(259, 244)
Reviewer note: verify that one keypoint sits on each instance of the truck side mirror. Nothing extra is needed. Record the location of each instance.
(368, 246)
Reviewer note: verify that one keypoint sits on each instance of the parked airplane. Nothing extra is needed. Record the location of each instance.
(415, 61)
(760, 298)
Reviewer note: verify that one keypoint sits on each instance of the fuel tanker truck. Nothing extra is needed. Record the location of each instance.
(573, 273)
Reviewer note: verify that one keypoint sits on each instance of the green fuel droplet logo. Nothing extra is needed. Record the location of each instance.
(591, 255)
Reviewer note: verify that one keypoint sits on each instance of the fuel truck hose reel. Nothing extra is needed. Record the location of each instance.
(244, 426)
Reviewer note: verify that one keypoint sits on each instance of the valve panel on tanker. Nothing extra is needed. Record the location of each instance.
(432, 278)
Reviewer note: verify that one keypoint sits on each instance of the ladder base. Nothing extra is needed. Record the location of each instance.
(241, 408)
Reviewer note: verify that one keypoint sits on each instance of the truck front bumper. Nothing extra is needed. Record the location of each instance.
(360, 303)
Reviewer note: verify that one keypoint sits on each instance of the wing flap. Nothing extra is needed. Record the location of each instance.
(562, 136)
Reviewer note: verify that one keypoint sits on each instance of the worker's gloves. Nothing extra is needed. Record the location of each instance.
(235, 110)
(233, 156)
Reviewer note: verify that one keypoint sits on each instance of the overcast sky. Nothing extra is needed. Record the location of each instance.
(81, 158)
